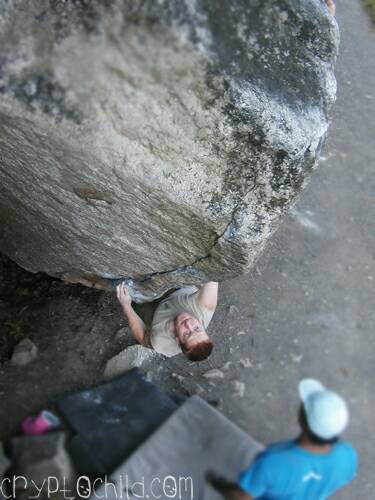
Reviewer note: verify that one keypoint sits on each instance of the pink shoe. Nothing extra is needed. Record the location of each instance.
(44, 422)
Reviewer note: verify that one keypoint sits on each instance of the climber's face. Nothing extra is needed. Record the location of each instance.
(189, 331)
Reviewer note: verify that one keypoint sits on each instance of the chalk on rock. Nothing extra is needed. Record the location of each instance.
(131, 357)
(24, 352)
(37, 458)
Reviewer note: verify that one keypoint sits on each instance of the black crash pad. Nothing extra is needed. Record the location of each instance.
(112, 420)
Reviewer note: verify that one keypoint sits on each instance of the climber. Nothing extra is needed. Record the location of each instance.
(310, 467)
(331, 6)
(179, 322)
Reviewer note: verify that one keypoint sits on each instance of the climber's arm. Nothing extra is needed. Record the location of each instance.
(331, 6)
(136, 325)
(207, 295)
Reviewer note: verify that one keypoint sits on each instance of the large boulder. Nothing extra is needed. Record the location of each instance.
(156, 141)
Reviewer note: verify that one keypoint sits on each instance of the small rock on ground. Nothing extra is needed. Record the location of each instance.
(233, 310)
(131, 357)
(24, 352)
(214, 373)
(238, 389)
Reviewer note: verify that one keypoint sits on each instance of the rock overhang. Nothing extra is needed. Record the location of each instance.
(159, 141)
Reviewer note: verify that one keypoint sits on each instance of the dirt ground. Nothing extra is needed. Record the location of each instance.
(73, 329)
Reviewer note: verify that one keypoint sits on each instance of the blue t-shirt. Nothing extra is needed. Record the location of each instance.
(285, 471)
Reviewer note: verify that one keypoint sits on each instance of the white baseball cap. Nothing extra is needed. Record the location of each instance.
(326, 412)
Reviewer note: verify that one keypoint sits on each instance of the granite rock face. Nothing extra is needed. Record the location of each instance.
(157, 142)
